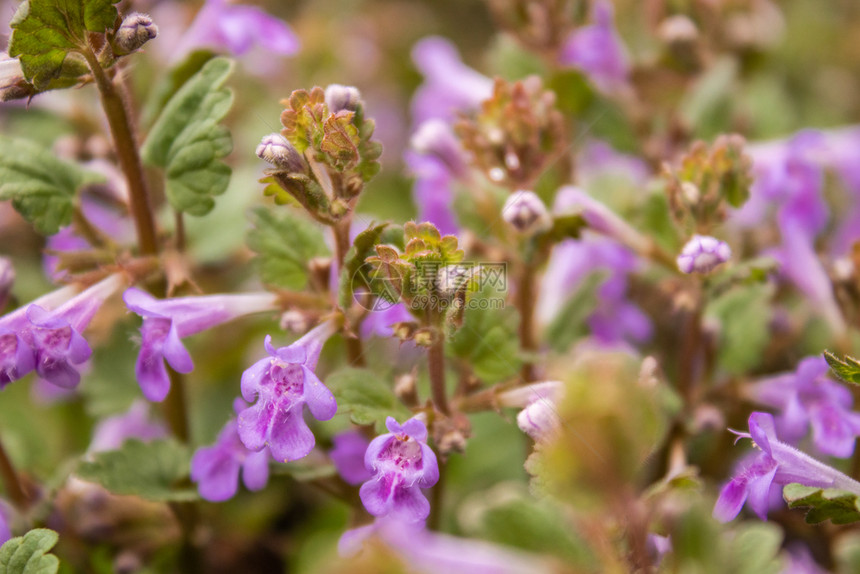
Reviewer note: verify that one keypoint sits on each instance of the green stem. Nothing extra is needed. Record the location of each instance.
(14, 489)
(126, 150)
(176, 407)
(434, 521)
(526, 298)
(436, 365)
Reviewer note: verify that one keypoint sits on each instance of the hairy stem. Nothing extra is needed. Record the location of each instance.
(526, 298)
(14, 489)
(436, 364)
(125, 145)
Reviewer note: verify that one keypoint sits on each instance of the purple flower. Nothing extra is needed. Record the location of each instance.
(806, 399)
(7, 279)
(237, 28)
(166, 322)
(379, 321)
(449, 85)
(703, 254)
(430, 552)
(282, 384)
(112, 432)
(599, 159)
(433, 191)
(216, 468)
(598, 51)
(526, 213)
(539, 418)
(402, 464)
(800, 561)
(50, 341)
(572, 200)
(777, 463)
(348, 456)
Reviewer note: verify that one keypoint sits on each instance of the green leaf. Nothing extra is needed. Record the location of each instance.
(155, 470)
(838, 506)
(367, 399)
(28, 554)
(44, 32)
(570, 323)
(487, 339)
(744, 313)
(362, 248)
(41, 186)
(847, 369)
(177, 77)
(188, 142)
(284, 244)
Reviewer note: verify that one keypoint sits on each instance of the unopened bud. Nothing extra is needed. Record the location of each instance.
(13, 85)
(136, 30)
(526, 213)
(702, 254)
(338, 98)
(539, 419)
(678, 29)
(294, 321)
(405, 388)
(275, 149)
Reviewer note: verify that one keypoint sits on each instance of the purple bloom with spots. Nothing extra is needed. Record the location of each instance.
(112, 432)
(167, 321)
(216, 468)
(282, 384)
(703, 254)
(348, 456)
(402, 464)
(807, 399)
(598, 51)
(777, 463)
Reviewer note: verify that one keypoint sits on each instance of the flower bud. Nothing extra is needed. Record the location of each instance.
(275, 149)
(526, 213)
(702, 254)
(136, 30)
(339, 98)
(539, 419)
(13, 85)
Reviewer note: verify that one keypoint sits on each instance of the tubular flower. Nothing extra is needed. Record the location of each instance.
(598, 51)
(778, 463)
(282, 384)
(348, 456)
(402, 464)
(166, 322)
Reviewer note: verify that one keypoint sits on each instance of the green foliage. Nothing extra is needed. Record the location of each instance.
(362, 248)
(41, 186)
(847, 369)
(838, 506)
(284, 244)
(177, 77)
(487, 340)
(44, 32)
(744, 313)
(570, 322)
(155, 471)
(366, 398)
(188, 142)
(28, 554)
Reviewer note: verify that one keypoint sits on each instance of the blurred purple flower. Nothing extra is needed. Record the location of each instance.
(777, 463)
(7, 280)
(112, 432)
(282, 384)
(430, 552)
(703, 254)
(658, 546)
(433, 191)
(597, 50)
(800, 561)
(573, 200)
(615, 321)
(402, 464)
(598, 158)
(5, 531)
(167, 321)
(237, 28)
(449, 85)
(806, 399)
(378, 323)
(216, 468)
(348, 456)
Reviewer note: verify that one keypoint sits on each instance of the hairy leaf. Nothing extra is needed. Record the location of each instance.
(188, 142)
(365, 397)
(28, 554)
(847, 369)
(44, 32)
(284, 244)
(154, 470)
(838, 506)
(41, 186)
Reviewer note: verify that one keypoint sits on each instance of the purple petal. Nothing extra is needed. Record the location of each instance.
(375, 448)
(759, 489)
(377, 494)
(59, 373)
(216, 472)
(318, 397)
(831, 433)
(410, 505)
(252, 377)
(731, 500)
(393, 426)
(254, 424)
(415, 428)
(762, 429)
(255, 470)
(348, 456)
(152, 374)
(140, 302)
(430, 467)
(290, 437)
(175, 352)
